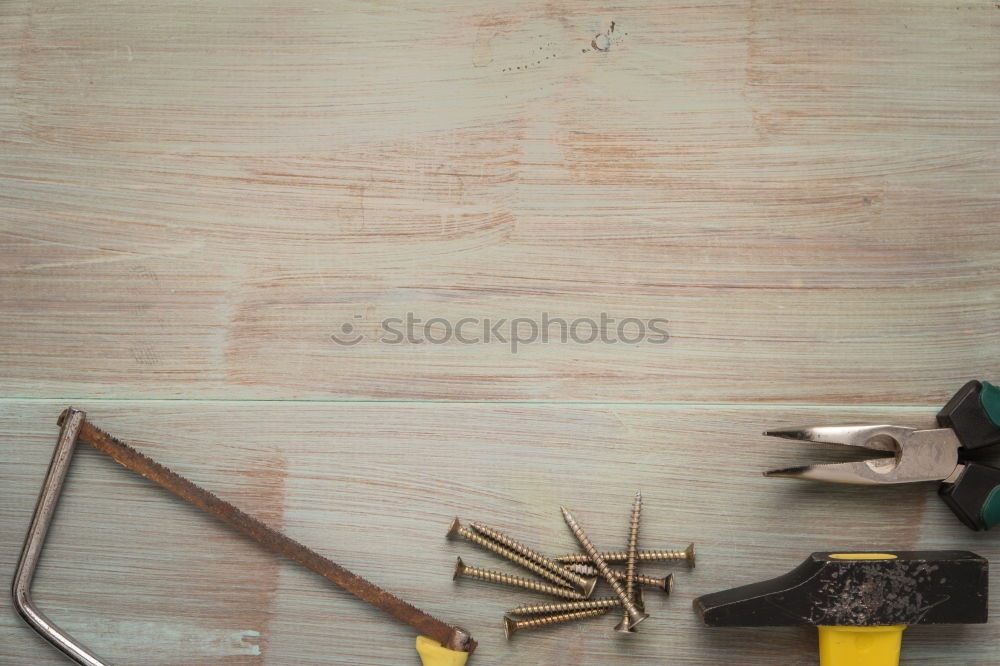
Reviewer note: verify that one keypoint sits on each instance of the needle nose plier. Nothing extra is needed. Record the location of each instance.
(969, 422)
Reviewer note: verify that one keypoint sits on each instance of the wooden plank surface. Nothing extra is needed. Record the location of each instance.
(206, 193)
(144, 579)
(195, 198)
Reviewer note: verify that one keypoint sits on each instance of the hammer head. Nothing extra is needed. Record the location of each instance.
(859, 590)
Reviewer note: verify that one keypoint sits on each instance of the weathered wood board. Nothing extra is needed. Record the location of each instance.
(198, 200)
(205, 193)
(144, 579)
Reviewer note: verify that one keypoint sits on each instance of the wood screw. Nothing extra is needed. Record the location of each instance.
(635, 616)
(456, 529)
(665, 584)
(462, 569)
(644, 556)
(633, 541)
(511, 625)
(565, 607)
(584, 584)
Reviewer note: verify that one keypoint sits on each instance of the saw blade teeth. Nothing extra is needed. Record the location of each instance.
(268, 537)
(107, 435)
(131, 450)
(156, 472)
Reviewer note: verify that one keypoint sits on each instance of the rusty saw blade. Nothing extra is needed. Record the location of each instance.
(451, 637)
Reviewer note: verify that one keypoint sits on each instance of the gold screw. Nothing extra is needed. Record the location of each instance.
(644, 556)
(543, 609)
(583, 569)
(633, 541)
(462, 569)
(640, 599)
(666, 583)
(456, 529)
(511, 625)
(635, 617)
(585, 585)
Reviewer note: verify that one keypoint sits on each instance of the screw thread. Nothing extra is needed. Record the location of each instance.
(634, 615)
(589, 604)
(631, 548)
(510, 626)
(533, 555)
(456, 528)
(622, 556)
(665, 583)
(516, 581)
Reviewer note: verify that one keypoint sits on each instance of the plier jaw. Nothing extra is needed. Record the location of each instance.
(970, 421)
(908, 455)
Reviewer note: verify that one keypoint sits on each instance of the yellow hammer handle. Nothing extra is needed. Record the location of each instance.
(860, 646)
(433, 653)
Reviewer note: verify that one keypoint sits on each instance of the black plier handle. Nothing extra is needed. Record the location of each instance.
(974, 414)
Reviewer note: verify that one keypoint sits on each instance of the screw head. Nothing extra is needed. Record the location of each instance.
(669, 584)
(637, 618)
(588, 589)
(509, 627)
(459, 569)
(689, 555)
(624, 627)
(453, 529)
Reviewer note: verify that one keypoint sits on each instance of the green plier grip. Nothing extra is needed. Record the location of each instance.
(974, 414)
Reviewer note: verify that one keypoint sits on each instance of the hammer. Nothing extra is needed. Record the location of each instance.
(861, 602)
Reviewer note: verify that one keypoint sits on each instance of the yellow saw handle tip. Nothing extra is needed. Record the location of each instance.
(433, 653)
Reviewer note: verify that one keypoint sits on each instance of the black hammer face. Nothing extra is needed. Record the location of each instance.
(918, 587)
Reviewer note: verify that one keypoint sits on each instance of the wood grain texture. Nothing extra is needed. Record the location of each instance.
(194, 197)
(127, 562)
(206, 193)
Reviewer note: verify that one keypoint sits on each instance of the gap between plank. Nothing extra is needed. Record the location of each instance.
(570, 403)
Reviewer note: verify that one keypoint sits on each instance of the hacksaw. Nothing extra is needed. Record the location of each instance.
(440, 644)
